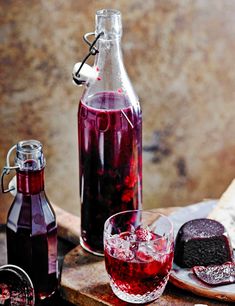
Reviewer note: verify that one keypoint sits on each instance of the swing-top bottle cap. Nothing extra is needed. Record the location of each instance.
(108, 27)
(29, 155)
(85, 73)
(109, 22)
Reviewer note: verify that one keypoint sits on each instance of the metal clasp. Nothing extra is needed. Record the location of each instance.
(6, 170)
(92, 51)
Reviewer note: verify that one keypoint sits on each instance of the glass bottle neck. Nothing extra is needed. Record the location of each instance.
(109, 56)
(30, 182)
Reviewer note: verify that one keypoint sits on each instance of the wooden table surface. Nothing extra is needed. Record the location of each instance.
(68, 230)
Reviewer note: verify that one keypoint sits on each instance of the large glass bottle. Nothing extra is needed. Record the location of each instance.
(31, 222)
(109, 136)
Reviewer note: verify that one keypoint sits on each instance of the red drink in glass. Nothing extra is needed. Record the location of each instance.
(138, 261)
(16, 287)
(110, 162)
(140, 274)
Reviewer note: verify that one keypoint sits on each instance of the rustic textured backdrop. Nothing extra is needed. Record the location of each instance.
(180, 56)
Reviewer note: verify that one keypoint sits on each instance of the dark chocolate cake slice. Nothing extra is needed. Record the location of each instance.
(216, 275)
(202, 242)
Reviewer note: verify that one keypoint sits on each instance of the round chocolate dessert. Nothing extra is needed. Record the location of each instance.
(202, 242)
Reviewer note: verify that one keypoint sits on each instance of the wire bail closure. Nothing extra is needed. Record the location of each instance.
(6, 170)
(92, 51)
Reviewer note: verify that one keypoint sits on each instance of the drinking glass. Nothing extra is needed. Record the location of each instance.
(16, 288)
(138, 249)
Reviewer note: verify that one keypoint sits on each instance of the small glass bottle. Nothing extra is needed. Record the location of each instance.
(110, 137)
(31, 223)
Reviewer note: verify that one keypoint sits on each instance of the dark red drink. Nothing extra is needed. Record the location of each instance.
(138, 248)
(16, 288)
(109, 130)
(32, 231)
(137, 269)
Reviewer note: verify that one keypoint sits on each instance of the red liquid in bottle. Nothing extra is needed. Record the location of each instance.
(109, 131)
(32, 233)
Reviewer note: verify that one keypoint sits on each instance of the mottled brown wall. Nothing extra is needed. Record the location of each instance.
(180, 56)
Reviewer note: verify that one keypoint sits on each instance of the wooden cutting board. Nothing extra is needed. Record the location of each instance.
(84, 280)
